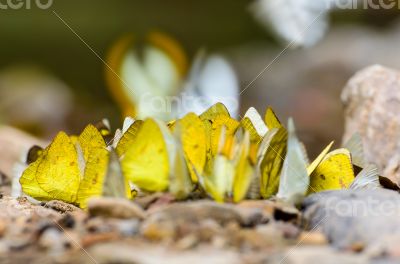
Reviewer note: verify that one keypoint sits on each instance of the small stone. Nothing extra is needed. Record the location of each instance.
(92, 239)
(4, 248)
(187, 242)
(207, 229)
(255, 212)
(317, 255)
(114, 208)
(175, 221)
(126, 227)
(198, 211)
(3, 227)
(158, 232)
(54, 241)
(61, 206)
(312, 238)
(147, 200)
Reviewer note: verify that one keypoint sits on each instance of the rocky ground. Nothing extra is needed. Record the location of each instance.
(344, 226)
(333, 227)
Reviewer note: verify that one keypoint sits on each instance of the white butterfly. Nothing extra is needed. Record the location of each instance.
(151, 80)
(298, 22)
(211, 80)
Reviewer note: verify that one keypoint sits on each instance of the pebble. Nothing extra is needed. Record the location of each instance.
(60, 206)
(312, 238)
(115, 208)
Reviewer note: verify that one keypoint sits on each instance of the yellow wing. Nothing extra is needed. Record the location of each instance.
(218, 181)
(333, 173)
(218, 176)
(193, 137)
(244, 171)
(55, 174)
(271, 119)
(95, 158)
(271, 163)
(215, 129)
(128, 138)
(318, 160)
(214, 111)
(255, 126)
(253, 123)
(146, 162)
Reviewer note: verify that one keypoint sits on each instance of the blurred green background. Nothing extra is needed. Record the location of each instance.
(37, 38)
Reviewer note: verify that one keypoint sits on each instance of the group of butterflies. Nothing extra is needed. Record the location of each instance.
(207, 155)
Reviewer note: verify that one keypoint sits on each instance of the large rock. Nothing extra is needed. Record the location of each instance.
(372, 108)
(357, 219)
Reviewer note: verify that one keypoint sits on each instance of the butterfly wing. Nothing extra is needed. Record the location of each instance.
(368, 178)
(355, 146)
(271, 163)
(115, 184)
(95, 158)
(335, 172)
(146, 161)
(128, 137)
(157, 71)
(193, 137)
(244, 171)
(55, 174)
(211, 80)
(180, 178)
(294, 179)
(318, 160)
(271, 120)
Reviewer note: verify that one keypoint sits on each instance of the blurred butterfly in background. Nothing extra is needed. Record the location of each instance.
(302, 23)
(151, 78)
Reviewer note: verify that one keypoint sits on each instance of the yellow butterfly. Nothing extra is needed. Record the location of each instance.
(193, 140)
(219, 173)
(230, 172)
(244, 170)
(128, 137)
(271, 120)
(55, 174)
(255, 126)
(71, 169)
(271, 161)
(214, 111)
(146, 160)
(334, 172)
(215, 119)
